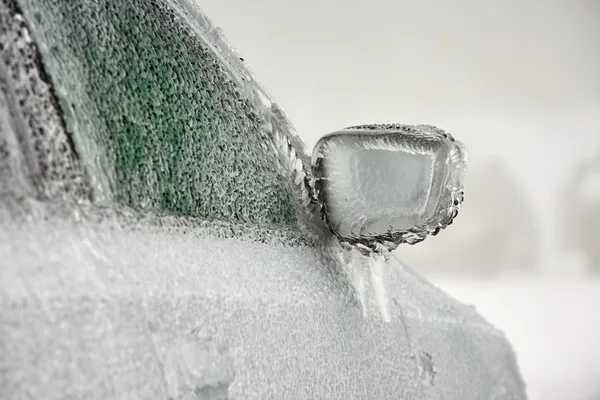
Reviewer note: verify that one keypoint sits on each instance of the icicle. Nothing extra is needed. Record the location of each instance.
(368, 274)
(379, 268)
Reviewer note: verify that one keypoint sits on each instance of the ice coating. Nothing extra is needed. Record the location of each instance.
(37, 154)
(118, 308)
(102, 301)
(198, 368)
(157, 112)
(388, 184)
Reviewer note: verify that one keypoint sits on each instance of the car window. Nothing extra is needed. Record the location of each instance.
(157, 118)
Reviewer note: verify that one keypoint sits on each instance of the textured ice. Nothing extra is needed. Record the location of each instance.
(388, 183)
(198, 368)
(160, 120)
(141, 293)
(110, 308)
(34, 142)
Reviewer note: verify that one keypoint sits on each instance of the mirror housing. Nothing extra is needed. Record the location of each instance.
(382, 185)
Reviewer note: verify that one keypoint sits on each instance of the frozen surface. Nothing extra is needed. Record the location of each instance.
(115, 309)
(389, 183)
(99, 300)
(33, 138)
(160, 120)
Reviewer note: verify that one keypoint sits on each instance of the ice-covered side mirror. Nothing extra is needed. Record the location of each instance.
(382, 185)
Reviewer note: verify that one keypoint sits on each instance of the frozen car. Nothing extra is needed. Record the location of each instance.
(161, 233)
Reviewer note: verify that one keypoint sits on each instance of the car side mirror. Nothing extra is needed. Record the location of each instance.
(382, 185)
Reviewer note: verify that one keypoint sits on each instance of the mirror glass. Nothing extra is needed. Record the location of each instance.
(388, 183)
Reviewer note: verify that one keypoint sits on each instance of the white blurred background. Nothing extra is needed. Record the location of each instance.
(519, 83)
